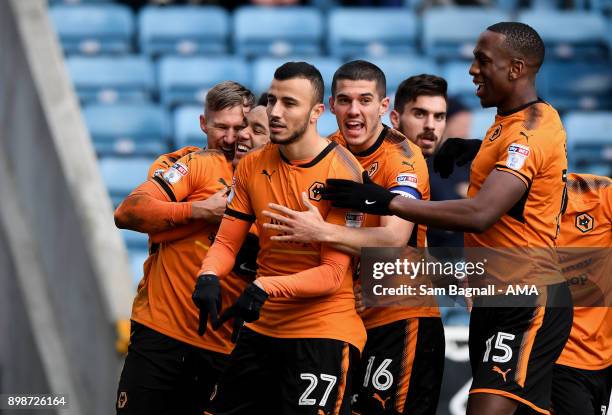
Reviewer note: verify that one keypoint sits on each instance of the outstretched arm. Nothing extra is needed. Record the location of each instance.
(500, 191)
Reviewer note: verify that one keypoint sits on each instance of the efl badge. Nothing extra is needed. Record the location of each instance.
(517, 154)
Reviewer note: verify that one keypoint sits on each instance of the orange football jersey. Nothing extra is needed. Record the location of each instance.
(397, 164)
(264, 176)
(163, 301)
(530, 144)
(587, 223)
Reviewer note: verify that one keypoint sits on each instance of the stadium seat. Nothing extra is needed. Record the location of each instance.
(460, 83)
(79, 2)
(263, 70)
(122, 175)
(371, 31)
(135, 240)
(577, 85)
(569, 34)
(111, 80)
(137, 259)
(94, 29)
(128, 129)
(282, 31)
(186, 80)
(452, 32)
(588, 140)
(482, 119)
(398, 68)
(187, 131)
(183, 30)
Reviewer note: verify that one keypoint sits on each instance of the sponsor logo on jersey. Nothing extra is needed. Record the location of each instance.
(407, 179)
(354, 219)
(175, 173)
(517, 154)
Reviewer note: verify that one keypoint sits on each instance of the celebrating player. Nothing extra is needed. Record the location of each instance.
(517, 186)
(406, 344)
(170, 368)
(294, 356)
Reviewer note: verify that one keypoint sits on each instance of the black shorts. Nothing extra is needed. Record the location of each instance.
(513, 349)
(268, 375)
(401, 368)
(581, 392)
(162, 375)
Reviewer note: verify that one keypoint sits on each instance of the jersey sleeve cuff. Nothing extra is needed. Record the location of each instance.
(515, 173)
(239, 215)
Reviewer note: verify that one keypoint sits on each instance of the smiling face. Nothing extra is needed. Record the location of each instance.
(423, 121)
(255, 134)
(290, 109)
(358, 109)
(491, 70)
(222, 128)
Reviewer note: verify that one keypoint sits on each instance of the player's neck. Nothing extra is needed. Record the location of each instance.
(308, 147)
(369, 142)
(518, 99)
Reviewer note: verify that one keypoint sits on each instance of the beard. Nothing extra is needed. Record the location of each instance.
(294, 137)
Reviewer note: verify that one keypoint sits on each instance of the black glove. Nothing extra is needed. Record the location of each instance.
(454, 151)
(207, 297)
(246, 259)
(367, 197)
(246, 308)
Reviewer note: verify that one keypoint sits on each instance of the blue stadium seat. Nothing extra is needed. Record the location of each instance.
(128, 129)
(460, 83)
(327, 123)
(137, 257)
(277, 31)
(398, 68)
(186, 80)
(569, 34)
(589, 140)
(94, 29)
(122, 175)
(452, 32)
(371, 31)
(482, 119)
(110, 80)
(577, 85)
(135, 240)
(183, 30)
(263, 70)
(79, 2)
(187, 131)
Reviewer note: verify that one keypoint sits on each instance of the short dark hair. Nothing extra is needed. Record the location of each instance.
(291, 70)
(262, 100)
(522, 39)
(228, 94)
(360, 70)
(415, 86)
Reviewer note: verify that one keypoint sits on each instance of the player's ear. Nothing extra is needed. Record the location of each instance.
(384, 106)
(203, 126)
(316, 112)
(332, 105)
(395, 118)
(517, 67)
